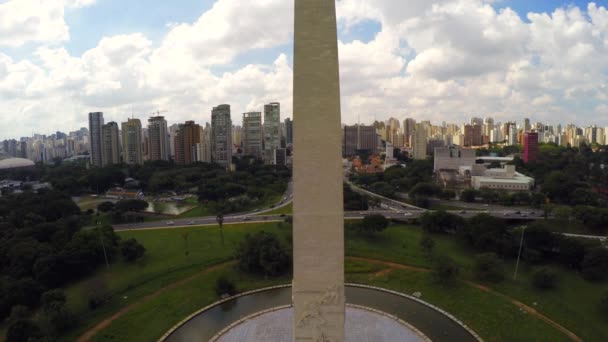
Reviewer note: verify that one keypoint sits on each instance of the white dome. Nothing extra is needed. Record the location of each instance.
(14, 163)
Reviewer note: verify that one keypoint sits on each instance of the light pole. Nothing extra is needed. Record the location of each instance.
(103, 246)
(521, 246)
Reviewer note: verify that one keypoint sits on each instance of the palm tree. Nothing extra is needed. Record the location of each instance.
(220, 221)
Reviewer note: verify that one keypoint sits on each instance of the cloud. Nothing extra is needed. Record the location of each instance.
(442, 60)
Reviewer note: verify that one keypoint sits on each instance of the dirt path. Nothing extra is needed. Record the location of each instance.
(528, 309)
(92, 332)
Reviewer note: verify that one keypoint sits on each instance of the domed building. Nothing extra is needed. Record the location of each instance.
(15, 163)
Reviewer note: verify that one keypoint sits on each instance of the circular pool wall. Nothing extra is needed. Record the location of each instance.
(429, 321)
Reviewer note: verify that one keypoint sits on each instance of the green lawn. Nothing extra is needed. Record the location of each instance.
(571, 304)
(165, 262)
(287, 210)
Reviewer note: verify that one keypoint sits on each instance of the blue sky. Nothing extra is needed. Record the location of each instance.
(162, 54)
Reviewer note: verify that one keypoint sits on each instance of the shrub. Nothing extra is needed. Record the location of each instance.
(132, 250)
(223, 286)
(427, 244)
(488, 267)
(595, 264)
(373, 223)
(604, 304)
(544, 278)
(445, 271)
(105, 207)
(262, 254)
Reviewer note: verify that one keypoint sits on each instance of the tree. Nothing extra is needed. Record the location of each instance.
(441, 222)
(445, 271)
(427, 244)
(52, 297)
(468, 195)
(186, 236)
(544, 278)
(373, 223)
(488, 233)
(262, 253)
(105, 207)
(132, 250)
(595, 264)
(23, 331)
(383, 189)
(604, 303)
(223, 286)
(220, 221)
(488, 267)
(133, 205)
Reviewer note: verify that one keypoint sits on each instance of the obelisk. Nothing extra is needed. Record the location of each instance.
(318, 248)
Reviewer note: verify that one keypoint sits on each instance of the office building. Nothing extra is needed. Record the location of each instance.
(186, 138)
(132, 152)
(110, 144)
(409, 125)
(272, 135)
(221, 135)
(252, 134)
(95, 138)
(288, 131)
(419, 141)
(158, 138)
(359, 138)
(530, 147)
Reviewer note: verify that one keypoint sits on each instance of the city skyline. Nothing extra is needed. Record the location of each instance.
(505, 65)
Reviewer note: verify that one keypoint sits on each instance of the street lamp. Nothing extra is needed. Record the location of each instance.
(521, 245)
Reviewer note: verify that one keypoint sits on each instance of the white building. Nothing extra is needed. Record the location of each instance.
(500, 179)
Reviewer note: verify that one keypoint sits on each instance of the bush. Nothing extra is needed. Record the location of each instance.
(23, 331)
(441, 222)
(445, 271)
(105, 207)
(604, 303)
(373, 223)
(223, 286)
(427, 244)
(544, 278)
(469, 195)
(595, 264)
(262, 254)
(488, 267)
(132, 250)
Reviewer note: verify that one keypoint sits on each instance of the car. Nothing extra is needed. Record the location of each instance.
(518, 212)
(247, 219)
(463, 212)
(407, 214)
(272, 206)
(191, 223)
(282, 215)
(170, 223)
(532, 213)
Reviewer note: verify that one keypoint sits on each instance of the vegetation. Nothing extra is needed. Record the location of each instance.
(225, 286)
(544, 278)
(372, 224)
(445, 271)
(441, 222)
(131, 250)
(489, 268)
(396, 178)
(263, 254)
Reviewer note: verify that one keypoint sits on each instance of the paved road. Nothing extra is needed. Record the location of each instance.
(392, 212)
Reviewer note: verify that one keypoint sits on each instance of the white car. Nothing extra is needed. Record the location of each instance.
(170, 223)
(407, 214)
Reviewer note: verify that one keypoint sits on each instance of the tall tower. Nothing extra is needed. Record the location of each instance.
(221, 135)
(95, 138)
(132, 142)
(110, 144)
(272, 132)
(318, 250)
(252, 134)
(185, 140)
(158, 144)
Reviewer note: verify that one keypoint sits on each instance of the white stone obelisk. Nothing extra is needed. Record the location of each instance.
(318, 284)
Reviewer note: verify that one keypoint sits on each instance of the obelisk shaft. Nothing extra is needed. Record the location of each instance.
(318, 285)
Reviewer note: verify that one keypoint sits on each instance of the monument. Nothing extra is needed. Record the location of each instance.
(318, 250)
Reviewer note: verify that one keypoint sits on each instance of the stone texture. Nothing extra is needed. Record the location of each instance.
(318, 285)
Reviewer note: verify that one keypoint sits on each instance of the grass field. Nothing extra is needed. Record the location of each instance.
(571, 304)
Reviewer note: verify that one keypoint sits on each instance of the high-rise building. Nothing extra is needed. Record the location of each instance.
(476, 121)
(530, 147)
(272, 135)
(409, 125)
(221, 135)
(186, 138)
(132, 142)
(359, 138)
(95, 138)
(110, 144)
(419, 140)
(158, 140)
(237, 136)
(203, 148)
(472, 135)
(252, 134)
(288, 131)
(525, 125)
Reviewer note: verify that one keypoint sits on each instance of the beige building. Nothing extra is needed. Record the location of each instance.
(419, 141)
(453, 158)
(221, 135)
(506, 179)
(158, 143)
(132, 142)
(272, 132)
(110, 144)
(252, 134)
